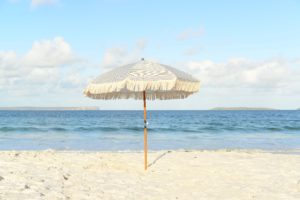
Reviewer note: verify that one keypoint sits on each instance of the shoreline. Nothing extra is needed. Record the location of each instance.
(256, 150)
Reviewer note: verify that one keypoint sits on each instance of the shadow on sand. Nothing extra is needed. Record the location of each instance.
(158, 158)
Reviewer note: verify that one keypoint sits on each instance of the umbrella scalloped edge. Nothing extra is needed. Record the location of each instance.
(167, 89)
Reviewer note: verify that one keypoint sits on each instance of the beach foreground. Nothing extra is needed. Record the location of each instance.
(222, 174)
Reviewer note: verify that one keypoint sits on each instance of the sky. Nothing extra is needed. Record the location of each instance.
(245, 53)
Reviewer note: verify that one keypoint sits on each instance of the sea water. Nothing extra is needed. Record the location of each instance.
(123, 130)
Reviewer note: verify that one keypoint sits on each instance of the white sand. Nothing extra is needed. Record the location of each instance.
(176, 175)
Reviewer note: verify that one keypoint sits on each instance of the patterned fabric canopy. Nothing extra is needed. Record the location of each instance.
(129, 81)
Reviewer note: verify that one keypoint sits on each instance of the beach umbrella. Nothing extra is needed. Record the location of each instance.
(143, 80)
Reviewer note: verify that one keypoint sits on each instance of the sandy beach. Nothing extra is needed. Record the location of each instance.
(222, 174)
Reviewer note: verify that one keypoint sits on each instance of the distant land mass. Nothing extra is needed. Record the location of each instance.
(242, 108)
(51, 108)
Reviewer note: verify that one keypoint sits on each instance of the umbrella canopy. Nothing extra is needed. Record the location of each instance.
(129, 81)
(143, 80)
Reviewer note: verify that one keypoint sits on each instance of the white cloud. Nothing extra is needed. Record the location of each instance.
(50, 53)
(274, 75)
(114, 56)
(41, 69)
(36, 3)
(191, 33)
(121, 55)
(192, 51)
(141, 44)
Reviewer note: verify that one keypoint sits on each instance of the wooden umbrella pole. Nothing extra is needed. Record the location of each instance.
(145, 131)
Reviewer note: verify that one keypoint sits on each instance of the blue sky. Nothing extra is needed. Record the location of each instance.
(246, 53)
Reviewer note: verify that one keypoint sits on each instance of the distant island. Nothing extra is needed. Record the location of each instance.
(51, 108)
(242, 108)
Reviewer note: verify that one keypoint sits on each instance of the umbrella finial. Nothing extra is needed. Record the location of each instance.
(142, 59)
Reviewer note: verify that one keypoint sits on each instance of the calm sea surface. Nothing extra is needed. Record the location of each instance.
(123, 130)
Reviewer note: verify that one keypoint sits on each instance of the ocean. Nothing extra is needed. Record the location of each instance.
(167, 130)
